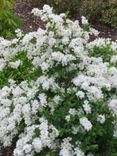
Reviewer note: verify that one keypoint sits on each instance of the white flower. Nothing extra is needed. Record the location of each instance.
(66, 148)
(101, 118)
(27, 148)
(18, 33)
(78, 152)
(35, 106)
(2, 64)
(86, 123)
(18, 153)
(47, 9)
(72, 111)
(15, 64)
(87, 107)
(36, 12)
(52, 41)
(65, 40)
(80, 94)
(36, 61)
(94, 32)
(114, 59)
(44, 66)
(43, 99)
(84, 20)
(57, 98)
(57, 56)
(113, 105)
(37, 144)
(17, 91)
(75, 130)
(67, 118)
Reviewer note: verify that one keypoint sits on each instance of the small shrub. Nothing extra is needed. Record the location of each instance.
(91, 9)
(8, 21)
(58, 90)
(109, 14)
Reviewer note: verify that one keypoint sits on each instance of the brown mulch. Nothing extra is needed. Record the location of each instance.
(31, 23)
(106, 31)
(6, 152)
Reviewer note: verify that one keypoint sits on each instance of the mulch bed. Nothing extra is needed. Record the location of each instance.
(105, 31)
(6, 152)
(32, 23)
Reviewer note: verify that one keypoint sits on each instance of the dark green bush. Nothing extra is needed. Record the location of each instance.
(91, 9)
(8, 21)
(109, 13)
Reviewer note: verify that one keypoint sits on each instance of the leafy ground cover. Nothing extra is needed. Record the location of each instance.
(8, 21)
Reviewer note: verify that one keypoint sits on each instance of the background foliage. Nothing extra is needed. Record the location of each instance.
(101, 10)
(8, 21)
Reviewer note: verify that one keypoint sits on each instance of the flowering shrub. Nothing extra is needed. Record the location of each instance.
(58, 90)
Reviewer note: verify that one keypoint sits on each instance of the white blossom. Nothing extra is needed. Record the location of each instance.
(86, 123)
(15, 64)
(101, 118)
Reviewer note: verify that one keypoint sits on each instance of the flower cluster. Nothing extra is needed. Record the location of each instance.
(58, 91)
